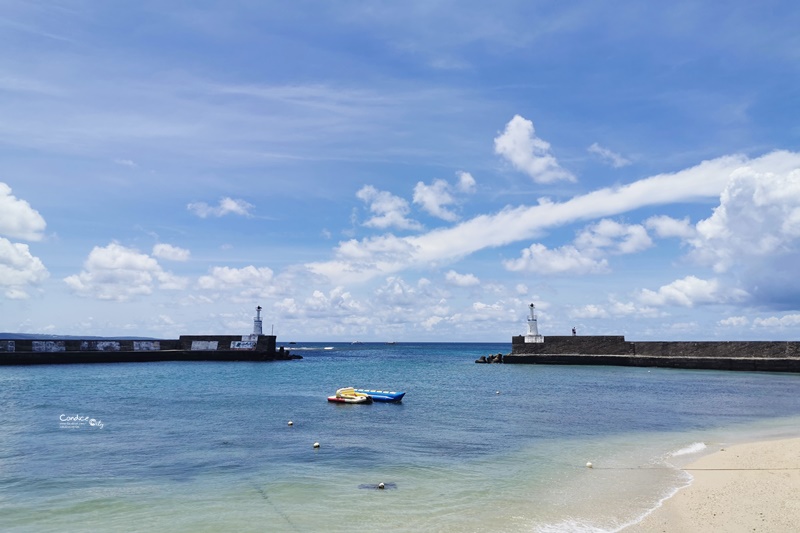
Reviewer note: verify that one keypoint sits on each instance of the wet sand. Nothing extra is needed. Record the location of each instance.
(746, 487)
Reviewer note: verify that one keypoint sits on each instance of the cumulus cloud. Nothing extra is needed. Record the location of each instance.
(226, 206)
(566, 259)
(691, 291)
(734, 322)
(115, 272)
(170, 253)
(613, 308)
(389, 210)
(666, 227)
(586, 255)
(753, 235)
(435, 197)
(705, 180)
(615, 237)
(519, 145)
(461, 280)
(466, 183)
(18, 220)
(758, 217)
(785, 321)
(19, 270)
(613, 159)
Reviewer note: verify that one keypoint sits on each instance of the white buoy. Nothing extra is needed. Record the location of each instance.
(316, 445)
(381, 485)
(589, 465)
(498, 392)
(291, 423)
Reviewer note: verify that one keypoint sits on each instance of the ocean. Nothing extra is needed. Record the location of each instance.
(208, 446)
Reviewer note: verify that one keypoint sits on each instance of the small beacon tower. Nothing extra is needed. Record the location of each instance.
(257, 330)
(533, 328)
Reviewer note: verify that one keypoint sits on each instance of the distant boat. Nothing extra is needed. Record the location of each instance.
(328, 348)
(356, 342)
(391, 342)
(382, 395)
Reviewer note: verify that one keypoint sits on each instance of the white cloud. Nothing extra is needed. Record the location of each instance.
(528, 153)
(466, 183)
(115, 272)
(226, 278)
(614, 237)
(589, 311)
(665, 227)
(461, 280)
(734, 322)
(586, 255)
(614, 159)
(691, 291)
(433, 198)
(785, 321)
(18, 220)
(566, 259)
(614, 308)
(704, 180)
(758, 217)
(170, 253)
(226, 206)
(390, 210)
(19, 269)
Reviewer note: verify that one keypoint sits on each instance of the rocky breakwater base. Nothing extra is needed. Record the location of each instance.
(765, 356)
(50, 351)
(497, 358)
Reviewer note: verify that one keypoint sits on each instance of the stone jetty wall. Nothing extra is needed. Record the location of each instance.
(186, 348)
(774, 356)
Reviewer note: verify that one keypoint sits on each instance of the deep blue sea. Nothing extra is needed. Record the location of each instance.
(208, 446)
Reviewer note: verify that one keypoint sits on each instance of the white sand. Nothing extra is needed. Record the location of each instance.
(746, 487)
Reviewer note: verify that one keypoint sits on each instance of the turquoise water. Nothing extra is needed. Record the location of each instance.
(208, 447)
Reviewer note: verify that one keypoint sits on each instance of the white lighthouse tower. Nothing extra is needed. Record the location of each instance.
(533, 327)
(257, 330)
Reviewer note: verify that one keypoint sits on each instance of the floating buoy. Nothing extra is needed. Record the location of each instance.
(589, 465)
(498, 392)
(381, 486)
(316, 445)
(291, 423)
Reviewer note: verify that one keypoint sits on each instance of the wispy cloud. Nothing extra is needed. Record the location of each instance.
(612, 158)
(226, 206)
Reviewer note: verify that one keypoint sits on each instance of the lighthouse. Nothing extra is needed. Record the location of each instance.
(533, 328)
(257, 323)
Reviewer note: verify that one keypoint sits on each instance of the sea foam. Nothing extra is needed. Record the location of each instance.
(694, 447)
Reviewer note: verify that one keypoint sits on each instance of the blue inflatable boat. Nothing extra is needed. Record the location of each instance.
(382, 395)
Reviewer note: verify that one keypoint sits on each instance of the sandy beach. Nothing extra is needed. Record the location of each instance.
(746, 487)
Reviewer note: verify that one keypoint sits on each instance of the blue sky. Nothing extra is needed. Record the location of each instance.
(400, 170)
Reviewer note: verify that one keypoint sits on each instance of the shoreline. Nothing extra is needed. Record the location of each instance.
(751, 486)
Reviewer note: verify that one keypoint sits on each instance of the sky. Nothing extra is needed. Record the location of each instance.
(400, 171)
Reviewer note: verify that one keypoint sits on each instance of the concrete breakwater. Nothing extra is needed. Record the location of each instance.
(770, 356)
(185, 348)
